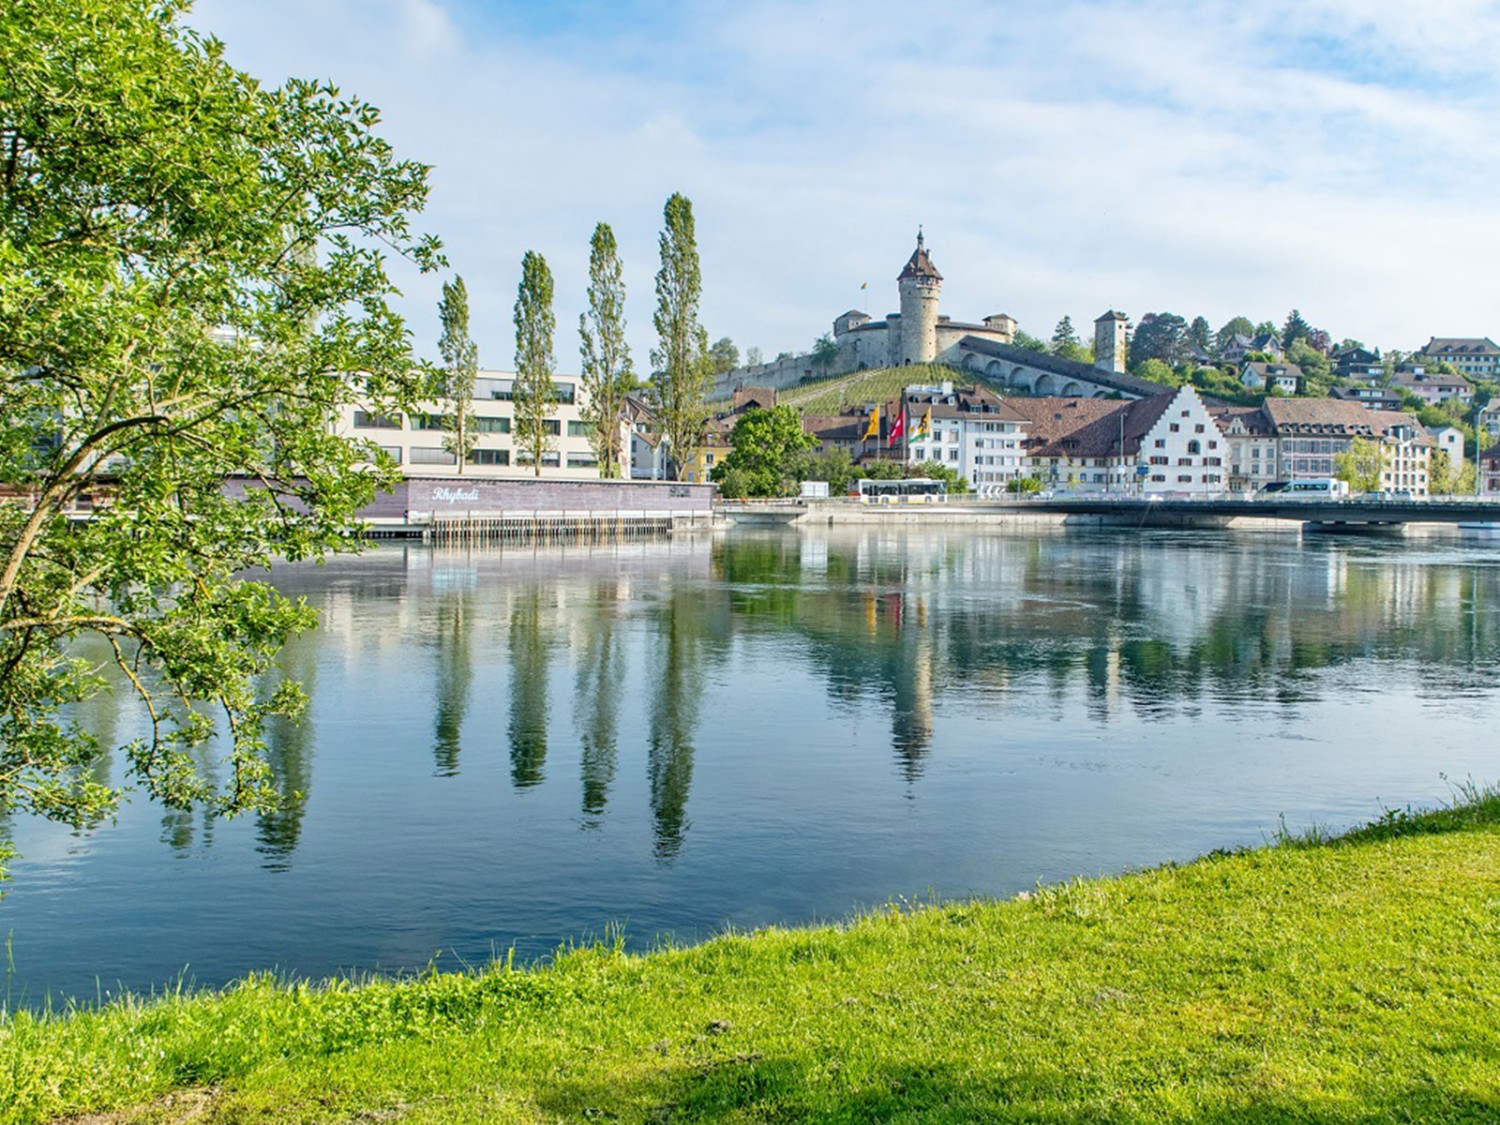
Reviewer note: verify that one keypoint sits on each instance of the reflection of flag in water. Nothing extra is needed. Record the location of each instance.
(873, 429)
(924, 427)
(893, 609)
(898, 427)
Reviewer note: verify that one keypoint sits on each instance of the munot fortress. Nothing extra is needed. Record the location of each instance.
(919, 334)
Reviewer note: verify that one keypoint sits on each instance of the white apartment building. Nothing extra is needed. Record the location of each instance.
(1184, 450)
(972, 431)
(415, 441)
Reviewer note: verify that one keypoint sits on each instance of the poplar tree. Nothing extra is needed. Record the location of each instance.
(460, 368)
(607, 377)
(532, 393)
(679, 385)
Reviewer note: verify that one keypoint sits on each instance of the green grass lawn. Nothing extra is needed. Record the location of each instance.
(1353, 980)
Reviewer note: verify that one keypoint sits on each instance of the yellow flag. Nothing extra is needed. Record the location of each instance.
(925, 428)
(873, 430)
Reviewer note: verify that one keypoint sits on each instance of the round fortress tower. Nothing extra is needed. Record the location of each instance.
(920, 284)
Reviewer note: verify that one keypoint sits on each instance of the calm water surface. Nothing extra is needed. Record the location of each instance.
(518, 748)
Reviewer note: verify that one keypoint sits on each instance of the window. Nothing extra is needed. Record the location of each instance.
(1185, 478)
(708, 458)
(551, 460)
(393, 452)
(1161, 443)
(1174, 427)
(484, 425)
(429, 421)
(1198, 429)
(579, 429)
(953, 455)
(564, 394)
(489, 457)
(1158, 460)
(1213, 445)
(426, 455)
(1195, 447)
(551, 426)
(582, 461)
(363, 420)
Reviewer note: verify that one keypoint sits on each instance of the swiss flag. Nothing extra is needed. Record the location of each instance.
(898, 427)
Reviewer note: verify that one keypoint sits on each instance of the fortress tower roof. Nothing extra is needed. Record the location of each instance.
(920, 264)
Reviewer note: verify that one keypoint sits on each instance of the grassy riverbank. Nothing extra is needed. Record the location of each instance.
(1353, 980)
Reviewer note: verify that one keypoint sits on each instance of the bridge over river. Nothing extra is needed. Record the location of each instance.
(1354, 515)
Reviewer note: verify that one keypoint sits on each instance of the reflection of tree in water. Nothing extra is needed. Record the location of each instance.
(289, 752)
(601, 678)
(530, 652)
(455, 675)
(690, 634)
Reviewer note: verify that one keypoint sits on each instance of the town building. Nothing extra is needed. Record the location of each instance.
(1238, 347)
(1450, 439)
(1285, 377)
(1370, 397)
(415, 441)
(1431, 386)
(1359, 365)
(1489, 418)
(1477, 356)
(1289, 438)
(968, 429)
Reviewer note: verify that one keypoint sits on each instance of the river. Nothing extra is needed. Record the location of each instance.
(519, 748)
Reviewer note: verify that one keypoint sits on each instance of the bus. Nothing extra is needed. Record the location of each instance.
(1307, 488)
(912, 490)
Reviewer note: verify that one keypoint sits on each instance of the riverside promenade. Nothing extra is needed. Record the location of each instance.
(1355, 514)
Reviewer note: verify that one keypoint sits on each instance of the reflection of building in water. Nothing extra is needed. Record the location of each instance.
(911, 712)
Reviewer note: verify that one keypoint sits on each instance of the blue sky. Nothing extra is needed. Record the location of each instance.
(1201, 157)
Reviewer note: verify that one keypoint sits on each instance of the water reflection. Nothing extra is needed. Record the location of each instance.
(599, 650)
(688, 623)
(289, 751)
(757, 728)
(530, 659)
(910, 625)
(455, 676)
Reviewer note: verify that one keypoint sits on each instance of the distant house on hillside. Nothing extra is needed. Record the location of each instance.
(1359, 365)
(1430, 386)
(1285, 377)
(1470, 355)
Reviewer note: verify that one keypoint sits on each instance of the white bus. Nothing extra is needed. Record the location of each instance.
(1308, 488)
(911, 490)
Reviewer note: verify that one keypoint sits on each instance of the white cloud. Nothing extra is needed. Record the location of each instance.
(1210, 158)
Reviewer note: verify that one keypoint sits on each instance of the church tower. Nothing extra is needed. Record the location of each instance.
(920, 283)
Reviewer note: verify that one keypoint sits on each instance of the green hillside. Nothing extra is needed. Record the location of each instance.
(831, 396)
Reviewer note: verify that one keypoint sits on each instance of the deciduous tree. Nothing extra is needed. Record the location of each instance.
(533, 394)
(825, 352)
(188, 274)
(1235, 326)
(1162, 336)
(724, 355)
(606, 374)
(460, 369)
(762, 443)
(683, 370)
(1361, 465)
